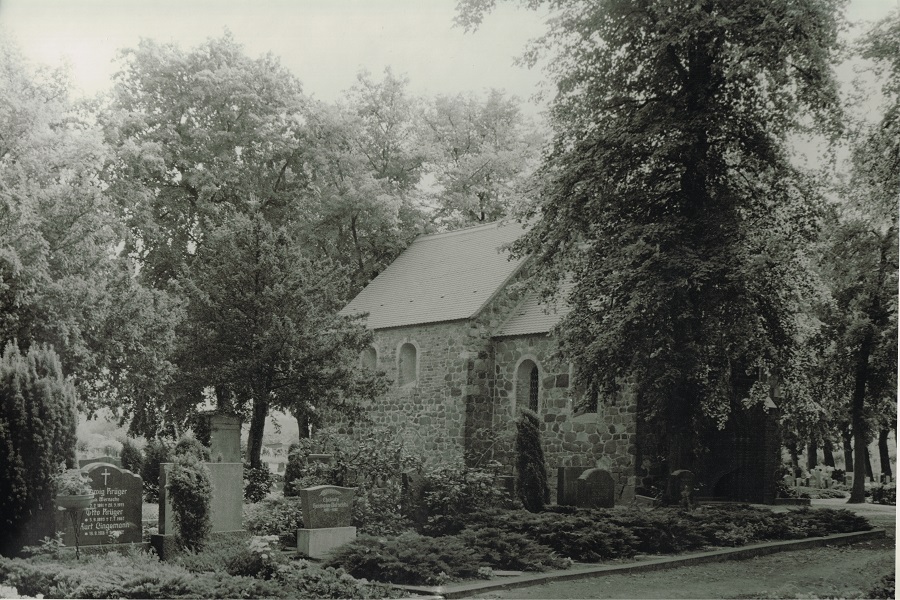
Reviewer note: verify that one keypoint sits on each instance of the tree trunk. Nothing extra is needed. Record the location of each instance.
(795, 458)
(848, 450)
(861, 376)
(302, 424)
(869, 473)
(828, 451)
(858, 422)
(812, 455)
(883, 454)
(255, 436)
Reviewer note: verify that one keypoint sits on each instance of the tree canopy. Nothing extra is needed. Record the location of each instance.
(669, 198)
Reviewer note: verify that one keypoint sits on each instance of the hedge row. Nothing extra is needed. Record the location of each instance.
(520, 540)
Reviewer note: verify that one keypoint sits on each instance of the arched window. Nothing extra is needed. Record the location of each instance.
(528, 385)
(407, 364)
(534, 384)
(369, 358)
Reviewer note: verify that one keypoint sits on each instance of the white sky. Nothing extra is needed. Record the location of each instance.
(324, 42)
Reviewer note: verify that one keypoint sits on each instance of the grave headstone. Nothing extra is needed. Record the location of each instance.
(226, 483)
(681, 486)
(567, 484)
(224, 438)
(326, 506)
(413, 486)
(595, 488)
(110, 460)
(327, 510)
(115, 514)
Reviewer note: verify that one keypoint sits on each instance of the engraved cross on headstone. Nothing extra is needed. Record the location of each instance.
(106, 475)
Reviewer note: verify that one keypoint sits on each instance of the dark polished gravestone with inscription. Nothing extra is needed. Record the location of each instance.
(326, 506)
(327, 511)
(115, 514)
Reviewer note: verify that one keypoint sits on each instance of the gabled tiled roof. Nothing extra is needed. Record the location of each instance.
(440, 277)
(533, 316)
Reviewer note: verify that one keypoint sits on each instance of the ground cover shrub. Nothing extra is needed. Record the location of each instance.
(37, 433)
(586, 536)
(156, 452)
(884, 494)
(131, 456)
(275, 515)
(407, 559)
(511, 551)
(307, 580)
(142, 575)
(531, 471)
(828, 493)
(189, 487)
(808, 522)
(257, 483)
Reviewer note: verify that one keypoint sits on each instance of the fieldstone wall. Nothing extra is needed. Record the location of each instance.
(430, 414)
(606, 438)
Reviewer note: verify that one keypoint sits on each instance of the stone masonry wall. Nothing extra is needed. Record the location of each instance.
(430, 414)
(605, 438)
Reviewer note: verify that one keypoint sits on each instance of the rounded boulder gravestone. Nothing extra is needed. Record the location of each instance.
(595, 488)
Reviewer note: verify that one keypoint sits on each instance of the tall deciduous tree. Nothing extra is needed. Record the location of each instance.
(481, 154)
(61, 280)
(864, 258)
(197, 136)
(670, 199)
(262, 324)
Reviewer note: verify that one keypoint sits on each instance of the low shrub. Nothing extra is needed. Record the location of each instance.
(407, 559)
(296, 468)
(373, 464)
(144, 576)
(307, 580)
(885, 494)
(156, 452)
(275, 515)
(257, 483)
(189, 487)
(377, 511)
(131, 456)
(452, 494)
(511, 551)
(190, 445)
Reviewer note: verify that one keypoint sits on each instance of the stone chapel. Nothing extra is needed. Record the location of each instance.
(467, 344)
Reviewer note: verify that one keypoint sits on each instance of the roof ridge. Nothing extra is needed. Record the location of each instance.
(443, 234)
